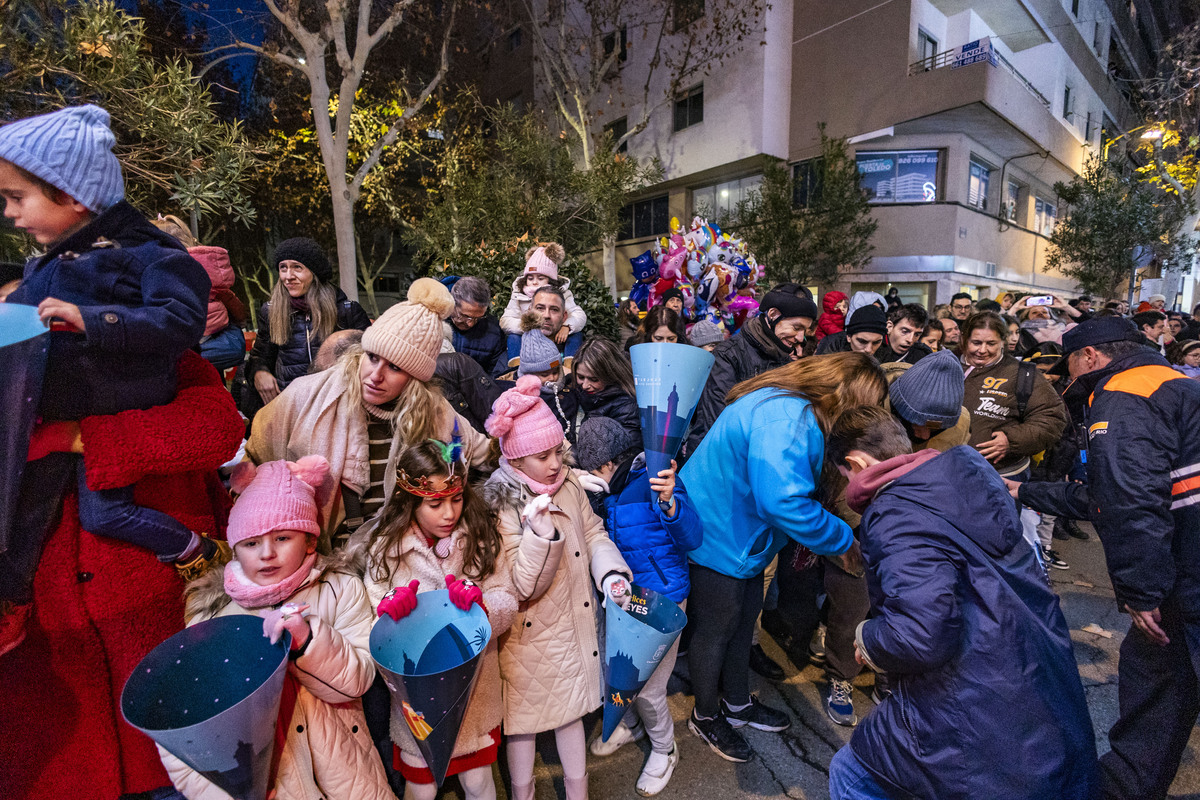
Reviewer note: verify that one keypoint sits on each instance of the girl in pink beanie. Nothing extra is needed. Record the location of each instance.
(277, 574)
(560, 556)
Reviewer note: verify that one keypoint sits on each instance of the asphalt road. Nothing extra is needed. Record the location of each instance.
(794, 764)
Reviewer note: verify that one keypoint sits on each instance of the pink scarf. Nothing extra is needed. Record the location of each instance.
(866, 484)
(250, 595)
(540, 488)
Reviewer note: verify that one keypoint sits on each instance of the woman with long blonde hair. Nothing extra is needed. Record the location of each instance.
(362, 413)
(754, 481)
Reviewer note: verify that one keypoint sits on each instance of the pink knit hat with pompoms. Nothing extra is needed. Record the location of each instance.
(522, 422)
(276, 496)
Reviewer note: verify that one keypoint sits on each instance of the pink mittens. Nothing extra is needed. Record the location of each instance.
(464, 593)
(399, 602)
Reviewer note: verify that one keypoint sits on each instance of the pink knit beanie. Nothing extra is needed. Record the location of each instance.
(522, 422)
(544, 260)
(276, 496)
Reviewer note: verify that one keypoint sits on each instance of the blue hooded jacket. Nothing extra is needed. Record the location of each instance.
(986, 698)
(654, 545)
(753, 481)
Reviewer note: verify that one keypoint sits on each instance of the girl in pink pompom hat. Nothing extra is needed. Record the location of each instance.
(277, 574)
(560, 557)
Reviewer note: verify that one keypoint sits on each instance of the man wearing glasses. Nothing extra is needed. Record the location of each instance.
(474, 331)
(961, 307)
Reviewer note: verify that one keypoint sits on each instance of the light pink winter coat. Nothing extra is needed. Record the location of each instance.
(215, 261)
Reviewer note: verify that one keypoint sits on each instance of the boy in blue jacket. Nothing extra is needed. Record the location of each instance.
(986, 698)
(124, 301)
(654, 526)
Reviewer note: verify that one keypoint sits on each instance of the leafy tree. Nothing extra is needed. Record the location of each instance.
(1110, 212)
(175, 153)
(831, 230)
(330, 43)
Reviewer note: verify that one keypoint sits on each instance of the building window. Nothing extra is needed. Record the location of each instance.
(689, 109)
(611, 42)
(645, 218)
(977, 185)
(1067, 110)
(1075, 8)
(388, 284)
(904, 176)
(1045, 214)
(1087, 127)
(927, 46)
(515, 39)
(618, 129)
(719, 202)
(1012, 194)
(685, 12)
(806, 183)
(1098, 38)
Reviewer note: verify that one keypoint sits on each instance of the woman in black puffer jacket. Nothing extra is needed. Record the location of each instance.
(305, 307)
(605, 380)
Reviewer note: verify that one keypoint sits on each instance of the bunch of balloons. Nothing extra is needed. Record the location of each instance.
(715, 272)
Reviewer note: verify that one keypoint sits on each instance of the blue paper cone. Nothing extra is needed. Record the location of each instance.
(635, 641)
(24, 342)
(669, 379)
(430, 660)
(210, 696)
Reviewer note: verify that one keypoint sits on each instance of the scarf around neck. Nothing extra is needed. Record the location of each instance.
(866, 484)
(250, 595)
(540, 488)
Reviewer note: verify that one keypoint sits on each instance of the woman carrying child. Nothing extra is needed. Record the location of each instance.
(550, 661)
(437, 533)
(277, 574)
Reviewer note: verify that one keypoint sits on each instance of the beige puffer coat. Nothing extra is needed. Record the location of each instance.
(413, 558)
(329, 753)
(550, 659)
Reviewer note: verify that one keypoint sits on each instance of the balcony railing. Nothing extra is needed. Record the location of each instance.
(946, 59)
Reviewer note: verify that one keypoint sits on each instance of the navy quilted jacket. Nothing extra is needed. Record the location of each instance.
(654, 546)
(291, 359)
(484, 342)
(986, 699)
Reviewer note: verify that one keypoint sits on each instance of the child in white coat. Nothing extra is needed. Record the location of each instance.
(436, 533)
(560, 555)
(541, 269)
(278, 575)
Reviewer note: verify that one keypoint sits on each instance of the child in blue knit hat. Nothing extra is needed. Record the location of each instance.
(123, 301)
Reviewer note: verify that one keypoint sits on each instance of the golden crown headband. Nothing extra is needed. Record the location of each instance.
(452, 454)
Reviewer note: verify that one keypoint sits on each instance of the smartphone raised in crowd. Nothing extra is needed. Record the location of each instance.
(1041, 300)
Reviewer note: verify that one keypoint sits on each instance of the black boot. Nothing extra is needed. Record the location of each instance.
(1066, 528)
(761, 663)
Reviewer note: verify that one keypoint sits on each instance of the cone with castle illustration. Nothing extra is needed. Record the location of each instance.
(669, 379)
(430, 660)
(210, 696)
(636, 639)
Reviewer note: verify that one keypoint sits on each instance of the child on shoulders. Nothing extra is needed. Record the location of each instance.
(541, 269)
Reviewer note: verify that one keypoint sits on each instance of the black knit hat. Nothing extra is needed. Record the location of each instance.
(788, 304)
(671, 293)
(601, 440)
(868, 319)
(308, 253)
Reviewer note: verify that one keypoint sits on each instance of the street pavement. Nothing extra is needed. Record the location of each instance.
(794, 764)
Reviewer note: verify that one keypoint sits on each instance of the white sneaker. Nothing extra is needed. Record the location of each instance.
(622, 735)
(657, 772)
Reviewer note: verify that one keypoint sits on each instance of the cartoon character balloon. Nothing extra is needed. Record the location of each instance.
(645, 273)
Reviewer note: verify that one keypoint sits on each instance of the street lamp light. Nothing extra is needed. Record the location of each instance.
(1150, 132)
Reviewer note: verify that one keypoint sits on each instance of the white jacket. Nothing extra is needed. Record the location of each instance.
(519, 303)
(329, 753)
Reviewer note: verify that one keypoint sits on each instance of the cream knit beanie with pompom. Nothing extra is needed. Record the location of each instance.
(409, 334)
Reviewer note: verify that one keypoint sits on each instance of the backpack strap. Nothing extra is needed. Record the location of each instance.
(1026, 373)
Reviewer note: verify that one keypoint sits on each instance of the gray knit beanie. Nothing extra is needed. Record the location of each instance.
(70, 149)
(705, 332)
(930, 392)
(538, 353)
(601, 440)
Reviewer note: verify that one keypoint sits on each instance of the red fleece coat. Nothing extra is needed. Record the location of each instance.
(100, 605)
(832, 321)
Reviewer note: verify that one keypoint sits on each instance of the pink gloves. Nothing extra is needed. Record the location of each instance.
(399, 602)
(464, 593)
(291, 618)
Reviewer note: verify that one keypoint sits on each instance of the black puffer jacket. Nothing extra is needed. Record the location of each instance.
(614, 403)
(291, 360)
(752, 351)
(465, 386)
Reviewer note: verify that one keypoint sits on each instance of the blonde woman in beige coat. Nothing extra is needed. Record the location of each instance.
(560, 555)
(437, 534)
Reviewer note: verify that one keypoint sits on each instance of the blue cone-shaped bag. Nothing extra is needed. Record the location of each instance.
(669, 379)
(635, 641)
(430, 660)
(24, 342)
(210, 696)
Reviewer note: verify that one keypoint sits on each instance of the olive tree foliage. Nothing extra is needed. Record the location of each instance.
(1109, 211)
(330, 43)
(175, 154)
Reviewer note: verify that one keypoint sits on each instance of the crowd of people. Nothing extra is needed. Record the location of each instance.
(876, 485)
